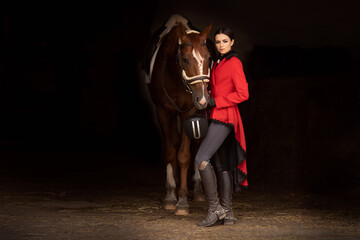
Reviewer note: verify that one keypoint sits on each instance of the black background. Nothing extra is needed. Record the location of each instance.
(70, 82)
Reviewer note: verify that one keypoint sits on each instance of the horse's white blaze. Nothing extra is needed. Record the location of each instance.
(202, 101)
(199, 59)
(170, 176)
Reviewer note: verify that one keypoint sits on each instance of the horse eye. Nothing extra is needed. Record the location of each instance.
(185, 60)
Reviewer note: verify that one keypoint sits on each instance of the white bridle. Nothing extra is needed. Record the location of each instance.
(196, 79)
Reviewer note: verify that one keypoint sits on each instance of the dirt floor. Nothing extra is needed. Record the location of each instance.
(126, 203)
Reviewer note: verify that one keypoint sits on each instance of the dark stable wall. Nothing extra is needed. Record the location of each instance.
(70, 80)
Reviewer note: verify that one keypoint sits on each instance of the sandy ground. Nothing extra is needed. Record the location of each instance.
(126, 203)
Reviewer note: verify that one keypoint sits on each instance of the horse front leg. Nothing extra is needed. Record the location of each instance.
(171, 174)
(168, 127)
(184, 158)
(199, 195)
(170, 197)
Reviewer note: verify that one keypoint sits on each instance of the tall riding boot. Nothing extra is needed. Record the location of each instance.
(226, 190)
(216, 211)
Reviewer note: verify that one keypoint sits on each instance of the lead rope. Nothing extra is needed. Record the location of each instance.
(170, 99)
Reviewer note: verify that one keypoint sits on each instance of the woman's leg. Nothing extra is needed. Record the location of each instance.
(226, 191)
(225, 181)
(216, 135)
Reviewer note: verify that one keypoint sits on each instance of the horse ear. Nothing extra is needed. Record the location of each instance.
(205, 33)
(181, 32)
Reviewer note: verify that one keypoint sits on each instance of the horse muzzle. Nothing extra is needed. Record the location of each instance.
(200, 95)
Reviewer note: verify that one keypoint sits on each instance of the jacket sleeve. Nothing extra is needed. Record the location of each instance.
(241, 92)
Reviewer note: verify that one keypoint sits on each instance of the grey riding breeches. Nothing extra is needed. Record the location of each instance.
(216, 135)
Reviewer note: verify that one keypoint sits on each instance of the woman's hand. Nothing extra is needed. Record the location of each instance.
(212, 103)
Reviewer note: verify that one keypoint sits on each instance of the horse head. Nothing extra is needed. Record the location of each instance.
(194, 61)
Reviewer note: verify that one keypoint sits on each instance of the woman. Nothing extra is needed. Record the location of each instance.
(225, 140)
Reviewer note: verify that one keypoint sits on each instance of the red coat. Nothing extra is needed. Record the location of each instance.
(229, 87)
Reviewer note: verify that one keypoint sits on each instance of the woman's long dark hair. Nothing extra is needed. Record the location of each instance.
(226, 31)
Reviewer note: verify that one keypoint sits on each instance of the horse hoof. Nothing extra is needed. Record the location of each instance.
(199, 197)
(171, 207)
(182, 212)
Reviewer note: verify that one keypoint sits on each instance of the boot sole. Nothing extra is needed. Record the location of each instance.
(217, 222)
(214, 223)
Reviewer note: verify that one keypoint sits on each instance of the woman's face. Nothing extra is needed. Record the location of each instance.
(223, 43)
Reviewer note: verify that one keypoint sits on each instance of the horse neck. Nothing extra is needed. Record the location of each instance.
(169, 52)
(170, 43)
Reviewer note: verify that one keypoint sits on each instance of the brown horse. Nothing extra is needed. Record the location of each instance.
(179, 86)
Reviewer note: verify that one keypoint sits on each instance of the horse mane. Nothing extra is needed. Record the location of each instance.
(172, 42)
(173, 21)
(170, 35)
